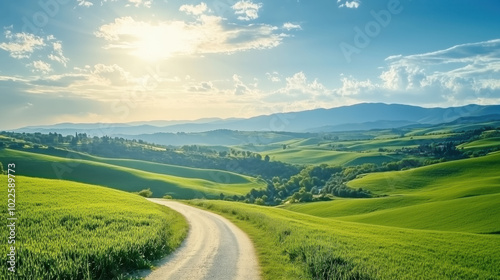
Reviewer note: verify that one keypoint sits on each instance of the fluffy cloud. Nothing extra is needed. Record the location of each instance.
(138, 3)
(462, 74)
(208, 34)
(240, 88)
(202, 87)
(194, 9)
(21, 45)
(57, 53)
(351, 5)
(290, 26)
(40, 66)
(135, 3)
(85, 3)
(273, 77)
(247, 10)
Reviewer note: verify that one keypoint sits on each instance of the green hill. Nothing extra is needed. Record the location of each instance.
(115, 174)
(68, 230)
(292, 245)
(308, 155)
(461, 195)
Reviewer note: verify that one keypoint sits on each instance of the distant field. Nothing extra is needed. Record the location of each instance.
(461, 195)
(130, 175)
(348, 152)
(292, 245)
(68, 230)
(166, 169)
(319, 156)
(482, 144)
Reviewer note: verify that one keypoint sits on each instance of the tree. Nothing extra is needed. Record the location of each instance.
(259, 201)
(267, 158)
(314, 190)
(1, 168)
(146, 193)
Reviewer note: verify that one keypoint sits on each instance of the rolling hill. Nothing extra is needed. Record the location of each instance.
(461, 195)
(131, 176)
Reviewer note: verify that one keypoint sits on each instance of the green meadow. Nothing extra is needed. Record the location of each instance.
(131, 175)
(461, 195)
(69, 230)
(293, 245)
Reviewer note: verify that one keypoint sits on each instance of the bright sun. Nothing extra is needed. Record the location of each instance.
(158, 43)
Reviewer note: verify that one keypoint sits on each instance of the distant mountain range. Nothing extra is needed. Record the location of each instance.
(363, 116)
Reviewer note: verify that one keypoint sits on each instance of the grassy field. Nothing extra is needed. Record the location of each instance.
(131, 175)
(314, 155)
(165, 169)
(68, 230)
(292, 245)
(488, 143)
(460, 196)
(347, 152)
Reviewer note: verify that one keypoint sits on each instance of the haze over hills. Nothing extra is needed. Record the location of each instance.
(364, 116)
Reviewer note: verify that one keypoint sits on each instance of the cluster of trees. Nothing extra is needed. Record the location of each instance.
(312, 183)
(243, 162)
(440, 150)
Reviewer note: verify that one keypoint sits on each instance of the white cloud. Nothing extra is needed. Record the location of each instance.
(202, 87)
(85, 3)
(57, 53)
(273, 77)
(462, 74)
(40, 66)
(21, 45)
(247, 10)
(138, 3)
(208, 34)
(290, 26)
(351, 5)
(194, 9)
(298, 88)
(110, 75)
(240, 88)
(129, 3)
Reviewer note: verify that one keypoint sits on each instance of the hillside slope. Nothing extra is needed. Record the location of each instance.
(103, 172)
(461, 195)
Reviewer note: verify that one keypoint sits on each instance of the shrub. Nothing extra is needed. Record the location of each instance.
(146, 193)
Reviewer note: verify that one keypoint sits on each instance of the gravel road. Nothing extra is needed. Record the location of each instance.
(214, 249)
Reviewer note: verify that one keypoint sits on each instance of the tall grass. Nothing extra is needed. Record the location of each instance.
(68, 230)
(298, 246)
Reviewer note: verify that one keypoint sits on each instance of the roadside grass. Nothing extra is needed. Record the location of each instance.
(68, 230)
(125, 178)
(298, 246)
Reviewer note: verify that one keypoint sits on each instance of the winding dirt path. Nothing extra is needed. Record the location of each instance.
(214, 249)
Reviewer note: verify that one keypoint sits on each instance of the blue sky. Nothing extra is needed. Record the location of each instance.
(137, 60)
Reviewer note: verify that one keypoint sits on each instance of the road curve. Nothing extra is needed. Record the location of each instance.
(214, 249)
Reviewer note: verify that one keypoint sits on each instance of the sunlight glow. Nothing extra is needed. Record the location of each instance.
(162, 42)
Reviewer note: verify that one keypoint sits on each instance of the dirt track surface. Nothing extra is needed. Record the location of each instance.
(214, 249)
